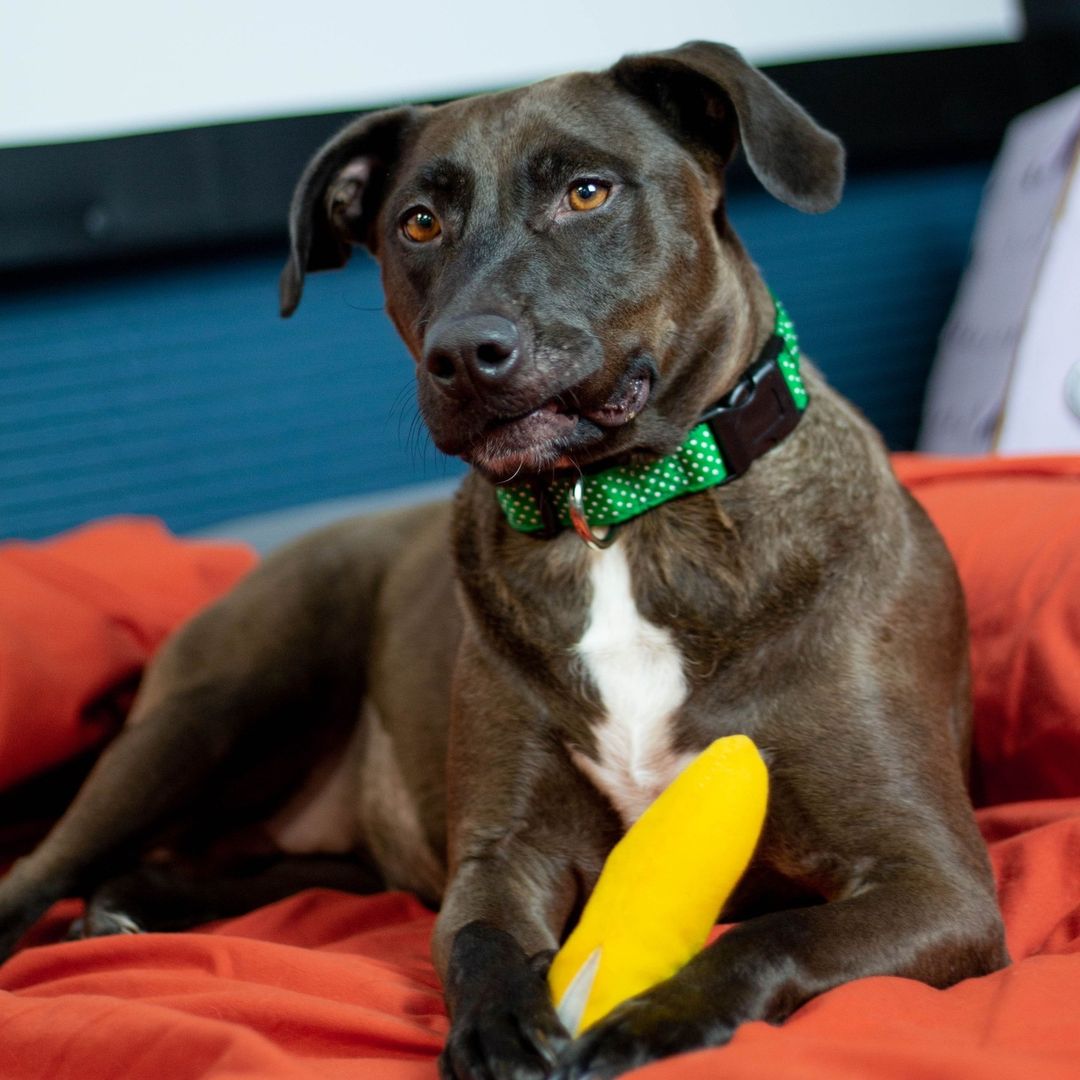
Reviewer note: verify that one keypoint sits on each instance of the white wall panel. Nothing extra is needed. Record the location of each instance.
(74, 69)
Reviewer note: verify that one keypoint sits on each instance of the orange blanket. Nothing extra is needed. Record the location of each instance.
(328, 985)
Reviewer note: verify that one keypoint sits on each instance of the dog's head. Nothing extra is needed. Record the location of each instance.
(556, 257)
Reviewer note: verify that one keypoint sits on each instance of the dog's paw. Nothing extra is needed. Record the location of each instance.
(639, 1031)
(99, 922)
(495, 1041)
(509, 1030)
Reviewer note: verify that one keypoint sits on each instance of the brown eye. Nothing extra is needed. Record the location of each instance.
(421, 225)
(588, 194)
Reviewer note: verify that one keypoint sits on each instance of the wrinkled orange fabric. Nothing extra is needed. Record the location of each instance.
(79, 616)
(328, 985)
(1013, 527)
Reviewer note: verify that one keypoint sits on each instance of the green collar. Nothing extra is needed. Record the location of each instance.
(761, 409)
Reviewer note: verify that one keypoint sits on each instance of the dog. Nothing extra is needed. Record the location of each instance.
(473, 701)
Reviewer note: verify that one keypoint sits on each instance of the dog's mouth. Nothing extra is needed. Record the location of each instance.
(550, 435)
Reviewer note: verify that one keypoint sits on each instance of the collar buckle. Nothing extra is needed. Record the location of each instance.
(756, 414)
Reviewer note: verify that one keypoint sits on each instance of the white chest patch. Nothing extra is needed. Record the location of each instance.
(638, 673)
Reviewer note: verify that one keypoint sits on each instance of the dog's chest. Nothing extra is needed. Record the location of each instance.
(636, 669)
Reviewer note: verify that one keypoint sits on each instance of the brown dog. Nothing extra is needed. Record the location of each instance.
(474, 709)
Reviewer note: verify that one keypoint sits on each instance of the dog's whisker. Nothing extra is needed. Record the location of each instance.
(517, 472)
(398, 407)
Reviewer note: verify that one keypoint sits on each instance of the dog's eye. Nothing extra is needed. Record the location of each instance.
(421, 225)
(588, 194)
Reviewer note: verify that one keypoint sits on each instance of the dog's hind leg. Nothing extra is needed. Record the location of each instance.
(170, 897)
(264, 675)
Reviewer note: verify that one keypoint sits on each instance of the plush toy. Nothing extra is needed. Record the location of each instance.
(664, 884)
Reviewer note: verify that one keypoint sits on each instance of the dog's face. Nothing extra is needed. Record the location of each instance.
(556, 257)
(539, 301)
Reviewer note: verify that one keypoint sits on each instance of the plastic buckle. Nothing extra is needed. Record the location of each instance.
(755, 415)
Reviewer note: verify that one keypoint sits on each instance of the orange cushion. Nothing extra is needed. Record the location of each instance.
(79, 617)
(1013, 526)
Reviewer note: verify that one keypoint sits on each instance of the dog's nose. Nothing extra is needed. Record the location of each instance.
(482, 349)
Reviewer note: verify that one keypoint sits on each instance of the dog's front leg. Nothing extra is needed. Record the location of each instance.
(525, 835)
(496, 935)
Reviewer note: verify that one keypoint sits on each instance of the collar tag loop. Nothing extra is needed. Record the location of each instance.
(576, 507)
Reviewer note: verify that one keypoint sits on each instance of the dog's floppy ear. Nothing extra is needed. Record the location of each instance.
(338, 195)
(715, 98)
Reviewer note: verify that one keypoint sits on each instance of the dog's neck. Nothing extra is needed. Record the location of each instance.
(758, 412)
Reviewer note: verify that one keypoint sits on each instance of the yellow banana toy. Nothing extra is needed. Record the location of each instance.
(664, 883)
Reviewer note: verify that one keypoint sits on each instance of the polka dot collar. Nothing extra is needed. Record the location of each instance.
(621, 492)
